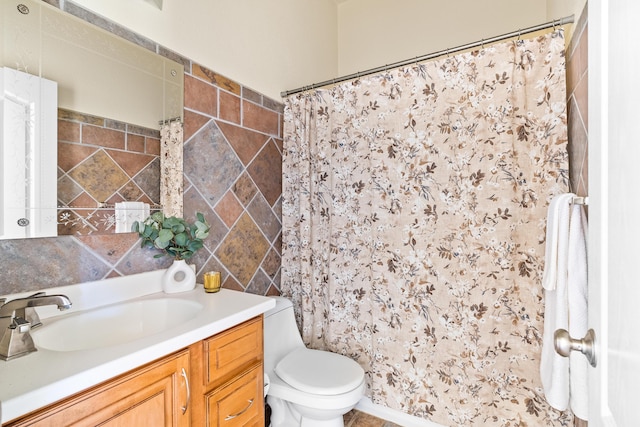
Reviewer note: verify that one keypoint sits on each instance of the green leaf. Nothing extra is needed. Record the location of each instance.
(202, 230)
(165, 235)
(161, 244)
(178, 228)
(195, 245)
(146, 231)
(172, 222)
(181, 239)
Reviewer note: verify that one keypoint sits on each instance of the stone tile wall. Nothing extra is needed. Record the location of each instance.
(232, 174)
(232, 171)
(577, 99)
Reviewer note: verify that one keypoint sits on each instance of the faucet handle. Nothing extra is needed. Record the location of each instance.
(29, 313)
(20, 325)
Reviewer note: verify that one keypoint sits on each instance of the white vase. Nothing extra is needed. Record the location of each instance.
(179, 277)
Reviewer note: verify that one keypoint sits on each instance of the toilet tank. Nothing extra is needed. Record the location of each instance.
(281, 334)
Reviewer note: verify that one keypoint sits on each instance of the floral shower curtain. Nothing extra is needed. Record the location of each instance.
(171, 153)
(414, 207)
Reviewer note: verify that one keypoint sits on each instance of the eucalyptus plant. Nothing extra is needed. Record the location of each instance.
(172, 235)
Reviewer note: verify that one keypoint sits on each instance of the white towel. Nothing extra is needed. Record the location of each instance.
(129, 212)
(558, 211)
(564, 380)
(554, 369)
(578, 310)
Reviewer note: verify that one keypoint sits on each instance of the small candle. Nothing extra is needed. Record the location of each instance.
(212, 281)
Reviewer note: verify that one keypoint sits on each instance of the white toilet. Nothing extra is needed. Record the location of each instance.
(308, 388)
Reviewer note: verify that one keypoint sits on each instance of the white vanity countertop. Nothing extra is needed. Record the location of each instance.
(44, 377)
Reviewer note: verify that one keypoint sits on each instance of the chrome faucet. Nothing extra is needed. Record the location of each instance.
(17, 318)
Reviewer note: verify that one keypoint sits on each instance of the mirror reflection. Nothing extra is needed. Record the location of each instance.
(83, 157)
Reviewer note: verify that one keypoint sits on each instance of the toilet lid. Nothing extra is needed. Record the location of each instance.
(320, 372)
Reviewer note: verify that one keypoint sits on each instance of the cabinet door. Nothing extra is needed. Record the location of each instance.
(221, 360)
(232, 352)
(238, 403)
(155, 395)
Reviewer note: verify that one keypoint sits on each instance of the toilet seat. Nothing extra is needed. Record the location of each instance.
(319, 372)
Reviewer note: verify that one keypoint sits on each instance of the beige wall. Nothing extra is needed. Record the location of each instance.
(377, 32)
(559, 8)
(269, 46)
(372, 33)
(283, 44)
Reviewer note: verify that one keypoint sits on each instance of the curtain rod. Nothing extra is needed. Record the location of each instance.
(480, 43)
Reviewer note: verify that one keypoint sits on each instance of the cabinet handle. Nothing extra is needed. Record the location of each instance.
(186, 380)
(230, 417)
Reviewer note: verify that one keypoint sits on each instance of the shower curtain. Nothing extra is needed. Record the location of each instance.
(414, 206)
(171, 153)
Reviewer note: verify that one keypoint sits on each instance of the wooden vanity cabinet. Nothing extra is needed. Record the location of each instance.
(154, 395)
(217, 381)
(227, 377)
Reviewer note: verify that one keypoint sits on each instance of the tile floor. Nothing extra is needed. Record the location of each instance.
(360, 419)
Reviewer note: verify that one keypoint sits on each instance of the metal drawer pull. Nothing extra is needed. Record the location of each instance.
(230, 417)
(186, 380)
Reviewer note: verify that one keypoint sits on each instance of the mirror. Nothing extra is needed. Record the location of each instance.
(100, 145)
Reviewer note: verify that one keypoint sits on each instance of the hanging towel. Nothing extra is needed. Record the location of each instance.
(554, 369)
(577, 292)
(129, 212)
(564, 380)
(558, 211)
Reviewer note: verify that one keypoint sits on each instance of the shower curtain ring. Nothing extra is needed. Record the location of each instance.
(482, 43)
(519, 33)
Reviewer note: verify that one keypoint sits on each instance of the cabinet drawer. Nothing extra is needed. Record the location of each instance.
(238, 403)
(231, 352)
(152, 395)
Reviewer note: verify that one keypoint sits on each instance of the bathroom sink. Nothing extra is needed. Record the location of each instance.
(114, 324)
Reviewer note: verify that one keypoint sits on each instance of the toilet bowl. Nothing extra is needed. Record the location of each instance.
(308, 388)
